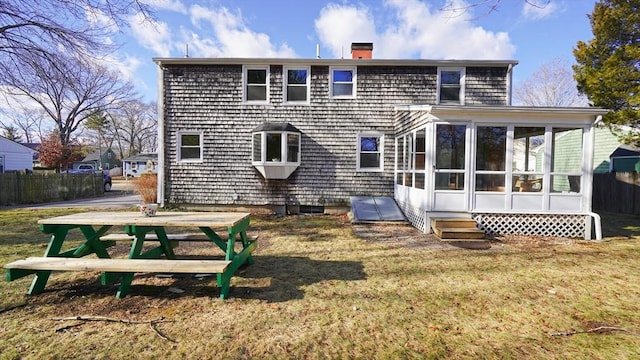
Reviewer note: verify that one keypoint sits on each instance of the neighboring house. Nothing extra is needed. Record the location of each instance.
(109, 160)
(36, 153)
(625, 158)
(136, 165)
(15, 156)
(439, 136)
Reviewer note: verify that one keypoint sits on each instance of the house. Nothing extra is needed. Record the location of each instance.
(15, 156)
(103, 159)
(36, 153)
(136, 165)
(439, 136)
(625, 158)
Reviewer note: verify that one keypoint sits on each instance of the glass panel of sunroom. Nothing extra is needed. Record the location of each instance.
(567, 150)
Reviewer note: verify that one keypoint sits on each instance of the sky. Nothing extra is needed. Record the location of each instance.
(399, 29)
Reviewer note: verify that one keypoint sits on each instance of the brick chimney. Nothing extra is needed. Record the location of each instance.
(361, 50)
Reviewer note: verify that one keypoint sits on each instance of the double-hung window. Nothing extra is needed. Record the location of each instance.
(342, 82)
(370, 152)
(190, 146)
(256, 84)
(296, 84)
(451, 86)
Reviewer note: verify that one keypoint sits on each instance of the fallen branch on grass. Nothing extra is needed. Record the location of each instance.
(152, 323)
(11, 307)
(599, 330)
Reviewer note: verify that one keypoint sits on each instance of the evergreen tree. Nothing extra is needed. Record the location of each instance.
(608, 66)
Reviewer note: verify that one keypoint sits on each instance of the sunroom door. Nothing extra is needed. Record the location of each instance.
(450, 167)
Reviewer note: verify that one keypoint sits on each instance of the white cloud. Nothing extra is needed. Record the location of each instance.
(536, 10)
(127, 66)
(416, 30)
(340, 25)
(151, 35)
(170, 5)
(230, 37)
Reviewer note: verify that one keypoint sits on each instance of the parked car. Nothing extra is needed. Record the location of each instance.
(107, 181)
(86, 169)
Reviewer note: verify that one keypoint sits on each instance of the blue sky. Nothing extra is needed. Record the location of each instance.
(399, 29)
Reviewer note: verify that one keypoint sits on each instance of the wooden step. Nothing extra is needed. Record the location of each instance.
(121, 265)
(453, 223)
(459, 233)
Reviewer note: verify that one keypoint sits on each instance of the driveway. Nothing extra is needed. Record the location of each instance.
(120, 196)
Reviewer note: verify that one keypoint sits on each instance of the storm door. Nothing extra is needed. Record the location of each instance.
(450, 167)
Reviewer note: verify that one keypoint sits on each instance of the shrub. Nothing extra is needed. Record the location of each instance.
(147, 186)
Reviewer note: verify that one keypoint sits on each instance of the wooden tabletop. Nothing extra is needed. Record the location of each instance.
(178, 219)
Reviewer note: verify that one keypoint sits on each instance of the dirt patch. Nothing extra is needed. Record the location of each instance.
(401, 235)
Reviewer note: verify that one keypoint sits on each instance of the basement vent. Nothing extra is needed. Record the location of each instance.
(310, 209)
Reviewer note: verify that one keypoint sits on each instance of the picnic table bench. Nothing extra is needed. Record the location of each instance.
(138, 229)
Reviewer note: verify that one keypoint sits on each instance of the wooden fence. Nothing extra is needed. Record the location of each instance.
(617, 192)
(24, 188)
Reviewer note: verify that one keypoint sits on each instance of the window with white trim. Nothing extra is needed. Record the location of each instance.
(256, 84)
(451, 86)
(276, 150)
(190, 146)
(342, 82)
(296, 84)
(370, 152)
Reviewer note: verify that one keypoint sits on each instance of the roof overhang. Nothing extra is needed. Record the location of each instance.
(332, 62)
(507, 113)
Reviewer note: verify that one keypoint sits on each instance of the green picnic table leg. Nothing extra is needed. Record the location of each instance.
(58, 234)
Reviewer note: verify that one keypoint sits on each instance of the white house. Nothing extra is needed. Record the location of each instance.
(14, 156)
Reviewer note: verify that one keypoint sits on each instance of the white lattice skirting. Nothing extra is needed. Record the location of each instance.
(415, 216)
(572, 226)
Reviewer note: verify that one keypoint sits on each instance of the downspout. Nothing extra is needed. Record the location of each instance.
(588, 181)
(161, 164)
(509, 83)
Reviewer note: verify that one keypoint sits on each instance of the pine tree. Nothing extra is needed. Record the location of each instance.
(608, 66)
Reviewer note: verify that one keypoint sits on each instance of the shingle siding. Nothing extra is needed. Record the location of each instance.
(486, 86)
(208, 98)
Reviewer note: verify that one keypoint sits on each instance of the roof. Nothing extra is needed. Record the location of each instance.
(144, 157)
(18, 146)
(480, 110)
(275, 127)
(625, 150)
(331, 62)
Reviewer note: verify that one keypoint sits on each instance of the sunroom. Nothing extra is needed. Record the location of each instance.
(522, 170)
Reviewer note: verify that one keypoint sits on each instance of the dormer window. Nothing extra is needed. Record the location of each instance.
(451, 86)
(276, 150)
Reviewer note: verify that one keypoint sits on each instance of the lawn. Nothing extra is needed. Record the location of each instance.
(318, 291)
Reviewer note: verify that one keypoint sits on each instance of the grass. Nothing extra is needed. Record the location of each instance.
(317, 291)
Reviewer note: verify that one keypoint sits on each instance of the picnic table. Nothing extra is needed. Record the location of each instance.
(139, 228)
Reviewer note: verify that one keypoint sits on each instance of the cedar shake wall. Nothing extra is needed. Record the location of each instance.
(486, 86)
(208, 98)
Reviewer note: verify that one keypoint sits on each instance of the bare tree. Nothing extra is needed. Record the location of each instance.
(40, 28)
(551, 85)
(27, 121)
(68, 91)
(486, 7)
(134, 127)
